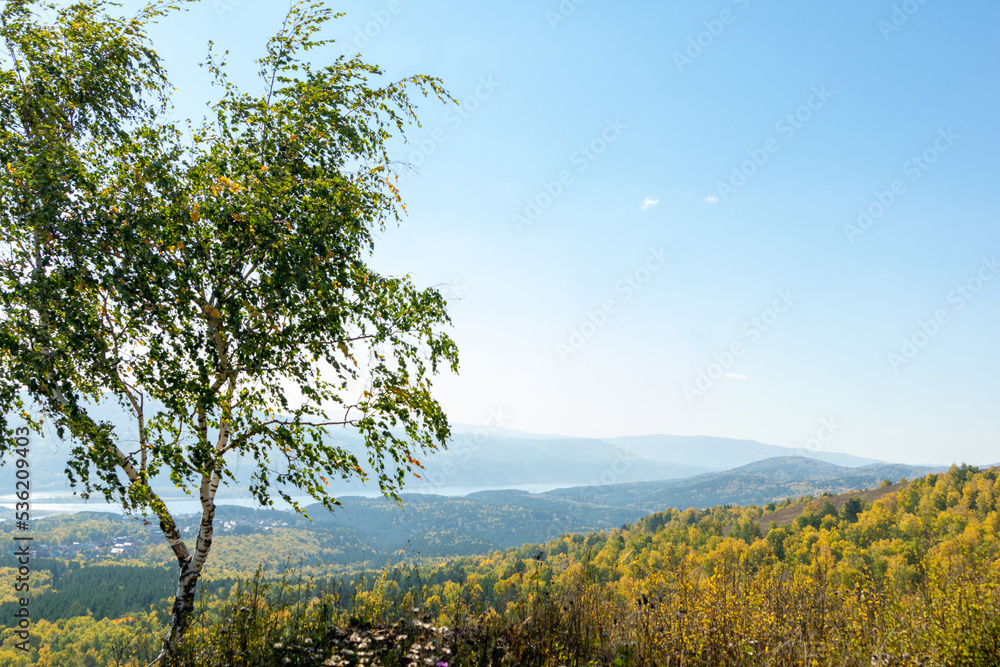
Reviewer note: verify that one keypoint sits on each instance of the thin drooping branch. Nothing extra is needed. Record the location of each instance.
(261, 428)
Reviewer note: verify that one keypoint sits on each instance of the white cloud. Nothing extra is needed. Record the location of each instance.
(711, 199)
(736, 376)
(649, 202)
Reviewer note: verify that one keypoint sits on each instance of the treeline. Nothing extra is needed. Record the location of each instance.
(107, 591)
(363, 532)
(101, 591)
(82, 527)
(912, 578)
(369, 531)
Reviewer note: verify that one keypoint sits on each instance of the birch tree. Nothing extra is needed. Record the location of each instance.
(216, 288)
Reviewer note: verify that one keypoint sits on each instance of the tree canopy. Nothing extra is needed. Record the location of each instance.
(216, 289)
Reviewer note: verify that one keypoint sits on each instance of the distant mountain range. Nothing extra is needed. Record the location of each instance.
(473, 462)
(479, 458)
(476, 458)
(756, 483)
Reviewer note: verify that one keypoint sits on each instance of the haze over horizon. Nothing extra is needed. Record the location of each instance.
(807, 449)
(732, 218)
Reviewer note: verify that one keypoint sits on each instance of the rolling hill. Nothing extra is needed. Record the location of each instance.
(445, 526)
(755, 483)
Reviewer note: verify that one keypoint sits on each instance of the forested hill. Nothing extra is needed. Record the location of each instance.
(756, 483)
(373, 530)
(503, 519)
(908, 573)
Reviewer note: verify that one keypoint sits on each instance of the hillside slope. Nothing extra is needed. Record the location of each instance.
(758, 483)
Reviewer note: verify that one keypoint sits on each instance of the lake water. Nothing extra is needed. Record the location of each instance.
(49, 504)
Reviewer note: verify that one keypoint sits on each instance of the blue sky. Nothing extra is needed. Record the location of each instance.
(647, 214)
